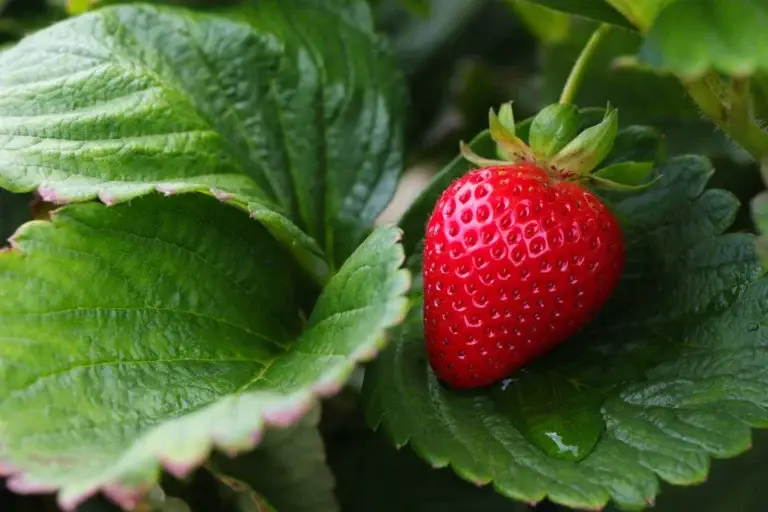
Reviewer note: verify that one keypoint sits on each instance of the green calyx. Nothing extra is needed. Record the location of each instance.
(553, 128)
(557, 144)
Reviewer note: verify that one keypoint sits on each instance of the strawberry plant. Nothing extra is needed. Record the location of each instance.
(349, 255)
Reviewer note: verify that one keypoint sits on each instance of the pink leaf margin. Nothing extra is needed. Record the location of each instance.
(251, 413)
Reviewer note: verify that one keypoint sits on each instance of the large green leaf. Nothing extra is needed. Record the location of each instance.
(288, 469)
(145, 333)
(74, 7)
(671, 374)
(691, 38)
(289, 108)
(355, 12)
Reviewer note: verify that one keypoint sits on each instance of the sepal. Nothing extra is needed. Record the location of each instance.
(553, 128)
(590, 147)
(512, 146)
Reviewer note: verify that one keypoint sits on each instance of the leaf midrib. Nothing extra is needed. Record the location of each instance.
(52, 375)
(170, 81)
(327, 241)
(197, 47)
(133, 309)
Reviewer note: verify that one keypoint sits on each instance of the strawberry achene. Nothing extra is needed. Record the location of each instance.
(515, 262)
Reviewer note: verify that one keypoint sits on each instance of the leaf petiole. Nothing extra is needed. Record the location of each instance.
(729, 107)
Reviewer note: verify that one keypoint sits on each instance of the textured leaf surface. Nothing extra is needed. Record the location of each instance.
(288, 469)
(289, 108)
(691, 38)
(671, 374)
(355, 12)
(147, 332)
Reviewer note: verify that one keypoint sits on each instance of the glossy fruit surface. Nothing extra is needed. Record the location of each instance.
(515, 262)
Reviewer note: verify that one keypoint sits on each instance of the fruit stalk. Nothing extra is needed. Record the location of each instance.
(579, 67)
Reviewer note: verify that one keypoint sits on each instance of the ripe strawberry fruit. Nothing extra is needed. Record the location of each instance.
(517, 258)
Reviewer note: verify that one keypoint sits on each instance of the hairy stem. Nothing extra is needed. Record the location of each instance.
(579, 67)
(730, 108)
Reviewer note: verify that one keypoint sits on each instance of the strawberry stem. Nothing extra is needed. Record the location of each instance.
(579, 67)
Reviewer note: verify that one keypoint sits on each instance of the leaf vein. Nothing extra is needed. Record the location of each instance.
(135, 309)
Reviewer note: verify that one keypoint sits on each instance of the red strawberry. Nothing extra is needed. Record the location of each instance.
(516, 260)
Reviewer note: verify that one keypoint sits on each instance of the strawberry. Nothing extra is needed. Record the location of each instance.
(518, 256)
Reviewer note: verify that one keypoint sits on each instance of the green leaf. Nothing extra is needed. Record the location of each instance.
(737, 484)
(636, 143)
(728, 37)
(257, 108)
(671, 374)
(548, 25)
(355, 12)
(621, 187)
(174, 328)
(156, 500)
(80, 6)
(288, 469)
(626, 173)
(642, 13)
(759, 210)
(76, 7)
(372, 476)
(246, 499)
(596, 9)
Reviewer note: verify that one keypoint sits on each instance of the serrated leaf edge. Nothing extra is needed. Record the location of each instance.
(402, 439)
(307, 252)
(284, 410)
